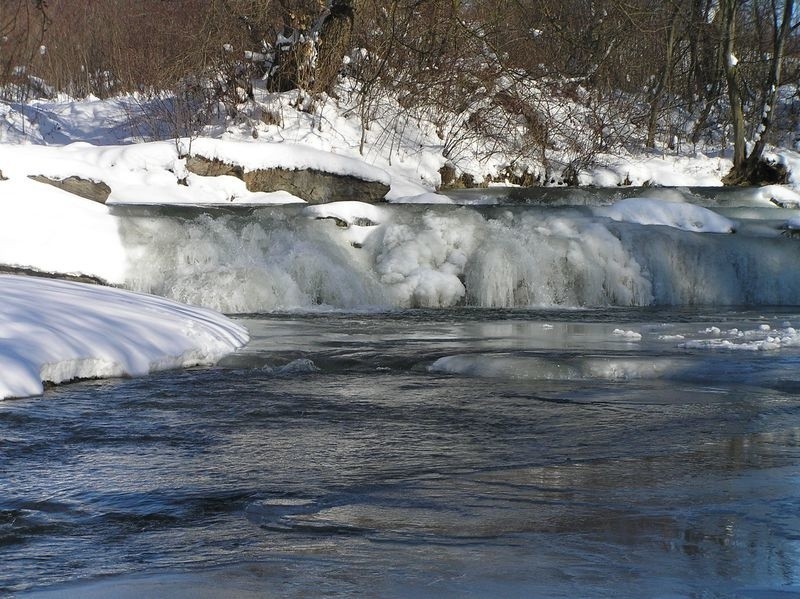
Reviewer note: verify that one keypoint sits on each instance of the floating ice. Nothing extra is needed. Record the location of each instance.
(627, 335)
(762, 338)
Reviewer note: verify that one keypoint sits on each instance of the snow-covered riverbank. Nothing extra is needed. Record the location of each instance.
(57, 331)
(377, 256)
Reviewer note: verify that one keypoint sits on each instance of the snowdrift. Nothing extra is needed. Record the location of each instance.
(57, 331)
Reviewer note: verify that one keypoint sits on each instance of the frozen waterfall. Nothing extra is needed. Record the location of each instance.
(369, 257)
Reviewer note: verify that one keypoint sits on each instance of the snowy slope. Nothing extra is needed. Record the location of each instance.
(408, 155)
(56, 331)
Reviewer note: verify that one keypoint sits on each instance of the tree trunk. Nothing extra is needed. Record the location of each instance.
(334, 35)
(313, 59)
(771, 95)
(748, 168)
(664, 79)
(727, 15)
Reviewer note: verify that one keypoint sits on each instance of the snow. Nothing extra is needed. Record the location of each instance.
(255, 154)
(150, 173)
(405, 154)
(360, 218)
(688, 217)
(776, 195)
(57, 331)
(697, 170)
(45, 228)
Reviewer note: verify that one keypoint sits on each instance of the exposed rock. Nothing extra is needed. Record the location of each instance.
(31, 272)
(448, 176)
(339, 222)
(772, 173)
(96, 191)
(361, 221)
(270, 117)
(791, 204)
(313, 186)
(514, 177)
(358, 221)
(790, 232)
(199, 165)
(463, 181)
(508, 176)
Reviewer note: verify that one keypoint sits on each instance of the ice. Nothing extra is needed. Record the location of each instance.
(295, 367)
(413, 256)
(516, 367)
(688, 217)
(671, 337)
(627, 335)
(762, 338)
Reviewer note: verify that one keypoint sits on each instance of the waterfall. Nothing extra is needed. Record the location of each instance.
(285, 258)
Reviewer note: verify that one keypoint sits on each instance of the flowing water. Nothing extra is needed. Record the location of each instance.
(515, 400)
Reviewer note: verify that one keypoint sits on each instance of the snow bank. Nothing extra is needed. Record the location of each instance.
(333, 139)
(687, 217)
(153, 173)
(56, 331)
(775, 195)
(47, 229)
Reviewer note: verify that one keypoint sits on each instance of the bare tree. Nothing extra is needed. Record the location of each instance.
(23, 24)
(746, 166)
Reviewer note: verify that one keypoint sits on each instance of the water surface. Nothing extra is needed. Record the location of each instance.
(422, 453)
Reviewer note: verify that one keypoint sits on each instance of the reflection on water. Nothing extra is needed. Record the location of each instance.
(371, 474)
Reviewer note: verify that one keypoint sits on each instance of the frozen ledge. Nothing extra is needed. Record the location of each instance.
(56, 331)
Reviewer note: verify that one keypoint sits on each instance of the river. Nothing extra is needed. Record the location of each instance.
(618, 431)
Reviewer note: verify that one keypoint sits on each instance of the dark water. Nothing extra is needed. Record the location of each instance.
(555, 456)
